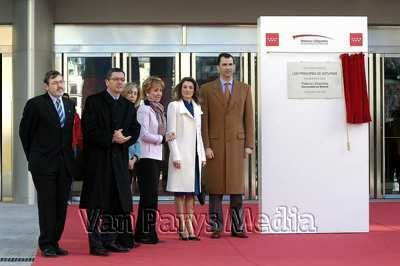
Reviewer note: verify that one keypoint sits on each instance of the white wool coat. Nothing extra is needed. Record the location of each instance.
(187, 129)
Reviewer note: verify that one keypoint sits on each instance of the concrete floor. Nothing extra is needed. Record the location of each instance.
(19, 230)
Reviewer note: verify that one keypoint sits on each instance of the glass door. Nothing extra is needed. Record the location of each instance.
(163, 65)
(384, 94)
(140, 66)
(1, 141)
(84, 75)
(391, 125)
(6, 178)
(204, 69)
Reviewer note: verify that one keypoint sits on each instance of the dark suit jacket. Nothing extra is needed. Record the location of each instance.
(45, 143)
(106, 163)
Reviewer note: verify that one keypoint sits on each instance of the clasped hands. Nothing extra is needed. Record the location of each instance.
(119, 138)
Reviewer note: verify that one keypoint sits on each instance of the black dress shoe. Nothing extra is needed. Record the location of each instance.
(201, 198)
(61, 252)
(150, 241)
(115, 247)
(239, 235)
(99, 252)
(215, 235)
(49, 252)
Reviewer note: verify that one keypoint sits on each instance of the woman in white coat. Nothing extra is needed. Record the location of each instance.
(187, 154)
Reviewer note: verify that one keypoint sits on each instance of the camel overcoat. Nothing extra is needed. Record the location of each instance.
(227, 128)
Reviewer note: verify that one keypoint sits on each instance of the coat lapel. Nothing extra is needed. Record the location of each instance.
(217, 92)
(183, 109)
(67, 111)
(196, 109)
(52, 110)
(234, 95)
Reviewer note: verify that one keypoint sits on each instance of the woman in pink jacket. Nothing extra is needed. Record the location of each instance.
(151, 117)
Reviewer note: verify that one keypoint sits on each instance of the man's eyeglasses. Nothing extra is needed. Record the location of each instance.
(118, 79)
(55, 82)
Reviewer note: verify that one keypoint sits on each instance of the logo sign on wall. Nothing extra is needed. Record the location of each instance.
(356, 39)
(314, 80)
(312, 39)
(294, 34)
(272, 39)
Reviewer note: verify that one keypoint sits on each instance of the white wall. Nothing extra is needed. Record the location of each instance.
(306, 168)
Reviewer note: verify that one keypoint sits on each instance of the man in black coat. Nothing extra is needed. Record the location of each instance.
(109, 127)
(46, 135)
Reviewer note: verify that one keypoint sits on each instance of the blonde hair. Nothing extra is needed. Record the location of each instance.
(131, 86)
(148, 84)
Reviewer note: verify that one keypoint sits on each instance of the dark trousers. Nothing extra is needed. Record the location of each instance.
(52, 196)
(216, 214)
(148, 178)
(108, 226)
(104, 228)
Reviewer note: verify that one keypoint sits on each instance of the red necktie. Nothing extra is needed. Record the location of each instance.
(227, 92)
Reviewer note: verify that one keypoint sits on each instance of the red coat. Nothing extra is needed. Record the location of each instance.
(77, 138)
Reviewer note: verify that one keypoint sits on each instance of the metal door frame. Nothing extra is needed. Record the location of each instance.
(377, 128)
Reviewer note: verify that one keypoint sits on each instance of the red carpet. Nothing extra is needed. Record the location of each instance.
(381, 246)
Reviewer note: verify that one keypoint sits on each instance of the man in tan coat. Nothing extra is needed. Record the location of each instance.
(227, 129)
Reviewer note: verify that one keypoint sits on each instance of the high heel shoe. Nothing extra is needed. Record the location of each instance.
(183, 237)
(194, 238)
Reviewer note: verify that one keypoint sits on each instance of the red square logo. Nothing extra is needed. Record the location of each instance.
(356, 39)
(272, 39)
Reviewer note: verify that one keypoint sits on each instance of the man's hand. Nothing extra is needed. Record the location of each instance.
(247, 151)
(119, 138)
(177, 164)
(209, 153)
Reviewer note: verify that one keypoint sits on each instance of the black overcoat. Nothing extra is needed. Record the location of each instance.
(103, 159)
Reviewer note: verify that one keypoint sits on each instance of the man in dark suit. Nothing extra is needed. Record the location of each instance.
(46, 136)
(109, 127)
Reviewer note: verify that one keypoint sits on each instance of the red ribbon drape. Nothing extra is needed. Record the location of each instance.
(355, 89)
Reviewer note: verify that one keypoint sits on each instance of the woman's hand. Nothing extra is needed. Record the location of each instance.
(131, 163)
(203, 163)
(177, 164)
(170, 136)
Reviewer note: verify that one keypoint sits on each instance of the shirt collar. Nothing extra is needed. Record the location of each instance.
(54, 99)
(115, 98)
(223, 82)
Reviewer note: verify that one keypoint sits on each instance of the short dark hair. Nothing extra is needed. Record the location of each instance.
(113, 70)
(50, 75)
(224, 55)
(178, 89)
